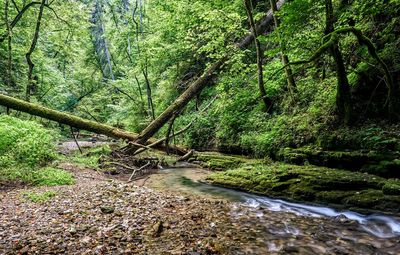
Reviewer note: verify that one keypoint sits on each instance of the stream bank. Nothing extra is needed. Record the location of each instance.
(340, 188)
(102, 216)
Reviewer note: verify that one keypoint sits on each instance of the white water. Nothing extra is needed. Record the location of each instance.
(377, 225)
(186, 180)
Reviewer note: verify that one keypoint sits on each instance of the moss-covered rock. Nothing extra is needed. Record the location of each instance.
(383, 164)
(391, 187)
(313, 184)
(385, 168)
(218, 161)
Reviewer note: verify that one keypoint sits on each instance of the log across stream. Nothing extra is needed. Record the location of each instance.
(295, 216)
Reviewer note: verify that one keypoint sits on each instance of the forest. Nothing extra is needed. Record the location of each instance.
(199, 127)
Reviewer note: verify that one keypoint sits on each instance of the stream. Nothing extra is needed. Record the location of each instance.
(278, 222)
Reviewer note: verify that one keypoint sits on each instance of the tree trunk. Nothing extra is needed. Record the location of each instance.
(32, 83)
(343, 97)
(9, 79)
(267, 101)
(198, 85)
(77, 122)
(285, 60)
(150, 105)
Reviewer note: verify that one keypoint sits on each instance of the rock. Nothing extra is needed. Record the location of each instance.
(107, 209)
(86, 240)
(157, 229)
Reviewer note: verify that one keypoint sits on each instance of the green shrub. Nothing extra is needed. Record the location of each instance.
(25, 142)
(47, 176)
(50, 176)
(24, 147)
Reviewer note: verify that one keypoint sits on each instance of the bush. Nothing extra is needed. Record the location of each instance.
(50, 176)
(25, 142)
(25, 146)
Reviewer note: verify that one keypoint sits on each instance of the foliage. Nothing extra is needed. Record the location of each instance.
(104, 59)
(91, 157)
(25, 142)
(47, 176)
(39, 197)
(50, 176)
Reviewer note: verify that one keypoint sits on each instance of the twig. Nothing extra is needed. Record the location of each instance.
(76, 141)
(141, 168)
(121, 165)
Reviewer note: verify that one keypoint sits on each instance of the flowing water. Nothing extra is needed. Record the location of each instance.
(285, 227)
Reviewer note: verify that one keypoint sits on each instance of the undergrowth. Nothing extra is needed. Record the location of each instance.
(39, 197)
(26, 148)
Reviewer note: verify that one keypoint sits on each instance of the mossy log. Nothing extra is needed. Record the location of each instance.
(79, 123)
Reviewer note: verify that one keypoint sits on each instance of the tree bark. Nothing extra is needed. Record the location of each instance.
(201, 82)
(150, 105)
(9, 79)
(343, 97)
(285, 60)
(267, 101)
(31, 83)
(79, 123)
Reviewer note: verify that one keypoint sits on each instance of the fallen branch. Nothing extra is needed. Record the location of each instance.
(138, 170)
(160, 141)
(186, 156)
(120, 164)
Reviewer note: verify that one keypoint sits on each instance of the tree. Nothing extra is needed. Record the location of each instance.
(285, 59)
(343, 96)
(32, 81)
(197, 86)
(267, 101)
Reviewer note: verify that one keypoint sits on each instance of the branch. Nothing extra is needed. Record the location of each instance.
(55, 14)
(17, 18)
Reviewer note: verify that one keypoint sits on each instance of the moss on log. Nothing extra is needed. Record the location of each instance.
(77, 122)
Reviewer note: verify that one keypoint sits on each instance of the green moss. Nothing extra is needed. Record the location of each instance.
(334, 196)
(219, 161)
(391, 187)
(382, 164)
(385, 168)
(39, 197)
(313, 184)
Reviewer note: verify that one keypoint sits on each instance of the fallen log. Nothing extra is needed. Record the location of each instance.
(80, 123)
(198, 85)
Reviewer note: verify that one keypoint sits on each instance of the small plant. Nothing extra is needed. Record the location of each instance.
(50, 176)
(39, 197)
(91, 157)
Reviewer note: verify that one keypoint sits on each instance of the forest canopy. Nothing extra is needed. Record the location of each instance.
(314, 66)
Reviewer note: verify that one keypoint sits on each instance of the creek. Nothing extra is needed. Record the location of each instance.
(278, 221)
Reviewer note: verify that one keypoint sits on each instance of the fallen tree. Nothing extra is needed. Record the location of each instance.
(80, 123)
(198, 85)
